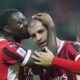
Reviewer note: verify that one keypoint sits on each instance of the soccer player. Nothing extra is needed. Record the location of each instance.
(13, 55)
(38, 30)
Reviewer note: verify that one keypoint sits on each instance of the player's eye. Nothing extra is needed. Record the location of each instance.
(40, 31)
(33, 36)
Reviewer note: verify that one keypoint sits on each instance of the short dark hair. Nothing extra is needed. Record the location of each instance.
(5, 15)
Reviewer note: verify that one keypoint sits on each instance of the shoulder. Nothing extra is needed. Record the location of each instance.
(70, 45)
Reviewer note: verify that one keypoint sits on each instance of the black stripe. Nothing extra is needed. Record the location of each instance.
(12, 55)
(6, 62)
(71, 56)
(59, 71)
(65, 57)
(23, 76)
(68, 72)
(52, 69)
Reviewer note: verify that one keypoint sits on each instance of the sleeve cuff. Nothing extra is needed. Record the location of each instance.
(25, 61)
(54, 61)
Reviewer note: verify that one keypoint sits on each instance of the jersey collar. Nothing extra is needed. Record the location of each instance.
(60, 47)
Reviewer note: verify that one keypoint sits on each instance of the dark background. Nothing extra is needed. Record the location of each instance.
(65, 14)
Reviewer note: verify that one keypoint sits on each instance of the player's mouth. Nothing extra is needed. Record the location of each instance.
(42, 44)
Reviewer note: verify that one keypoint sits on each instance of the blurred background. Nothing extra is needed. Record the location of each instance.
(65, 14)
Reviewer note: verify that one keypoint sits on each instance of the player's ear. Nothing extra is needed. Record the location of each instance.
(7, 29)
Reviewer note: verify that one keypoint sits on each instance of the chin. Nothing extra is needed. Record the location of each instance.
(43, 48)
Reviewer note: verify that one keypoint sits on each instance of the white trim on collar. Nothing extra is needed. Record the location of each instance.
(61, 45)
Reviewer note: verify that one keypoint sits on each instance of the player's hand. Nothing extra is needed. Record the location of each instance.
(43, 58)
(45, 18)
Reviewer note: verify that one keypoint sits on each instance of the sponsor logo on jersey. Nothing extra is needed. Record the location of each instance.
(21, 51)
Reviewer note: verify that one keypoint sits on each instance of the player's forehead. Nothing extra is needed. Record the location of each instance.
(36, 25)
(18, 16)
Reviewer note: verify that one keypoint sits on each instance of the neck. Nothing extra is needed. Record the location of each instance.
(6, 36)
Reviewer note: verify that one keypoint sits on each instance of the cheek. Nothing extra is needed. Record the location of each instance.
(34, 40)
(45, 35)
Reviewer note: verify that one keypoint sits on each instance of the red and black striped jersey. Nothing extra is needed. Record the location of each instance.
(13, 56)
(68, 51)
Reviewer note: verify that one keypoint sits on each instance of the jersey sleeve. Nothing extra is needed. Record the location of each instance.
(15, 53)
(71, 65)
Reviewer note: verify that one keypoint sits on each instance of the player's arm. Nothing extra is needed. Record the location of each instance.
(51, 60)
(15, 53)
(71, 65)
(74, 62)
